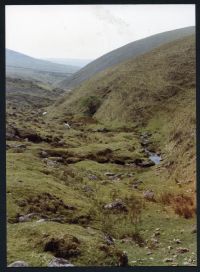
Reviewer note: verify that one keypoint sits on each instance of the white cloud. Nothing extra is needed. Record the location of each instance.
(70, 31)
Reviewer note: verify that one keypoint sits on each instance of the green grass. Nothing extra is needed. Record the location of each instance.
(154, 93)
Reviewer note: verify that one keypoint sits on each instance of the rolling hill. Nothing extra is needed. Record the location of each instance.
(146, 91)
(124, 53)
(90, 194)
(22, 66)
(68, 61)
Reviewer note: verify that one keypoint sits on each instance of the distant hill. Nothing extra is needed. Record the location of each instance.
(129, 51)
(22, 66)
(24, 93)
(68, 61)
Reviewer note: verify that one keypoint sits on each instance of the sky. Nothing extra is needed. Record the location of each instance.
(88, 31)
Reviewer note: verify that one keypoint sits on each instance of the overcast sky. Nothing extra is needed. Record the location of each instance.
(90, 31)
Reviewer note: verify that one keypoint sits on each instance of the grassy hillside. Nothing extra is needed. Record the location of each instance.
(147, 93)
(93, 185)
(131, 50)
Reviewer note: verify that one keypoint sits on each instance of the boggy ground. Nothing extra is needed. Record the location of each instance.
(89, 193)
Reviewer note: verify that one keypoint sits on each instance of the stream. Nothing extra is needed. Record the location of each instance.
(154, 157)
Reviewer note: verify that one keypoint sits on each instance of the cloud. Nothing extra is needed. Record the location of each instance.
(107, 17)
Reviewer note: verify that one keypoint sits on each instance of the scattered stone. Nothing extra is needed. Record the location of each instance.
(41, 220)
(20, 146)
(149, 253)
(137, 182)
(49, 162)
(43, 154)
(133, 262)
(177, 241)
(194, 230)
(157, 233)
(57, 159)
(109, 174)
(118, 204)
(93, 177)
(122, 259)
(149, 195)
(67, 126)
(87, 189)
(18, 264)
(102, 130)
(157, 229)
(168, 260)
(170, 247)
(182, 250)
(126, 240)
(59, 262)
(141, 260)
(90, 230)
(154, 241)
(109, 240)
(22, 203)
(151, 258)
(8, 146)
(10, 133)
(26, 218)
(60, 143)
(174, 264)
(145, 134)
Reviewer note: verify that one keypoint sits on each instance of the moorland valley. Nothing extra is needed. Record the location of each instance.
(101, 159)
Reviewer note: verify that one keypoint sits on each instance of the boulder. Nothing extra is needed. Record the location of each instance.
(168, 260)
(18, 264)
(42, 220)
(26, 218)
(102, 130)
(177, 241)
(92, 177)
(43, 154)
(10, 133)
(194, 229)
(59, 262)
(116, 205)
(109, 240)
(182, 250)
(149, 195)
(20, 148)
(122, 259)
(109, 174)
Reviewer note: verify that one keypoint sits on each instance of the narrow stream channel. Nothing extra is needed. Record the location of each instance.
(153, 156)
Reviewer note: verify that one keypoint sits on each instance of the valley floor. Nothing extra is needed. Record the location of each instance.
(89, 193)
